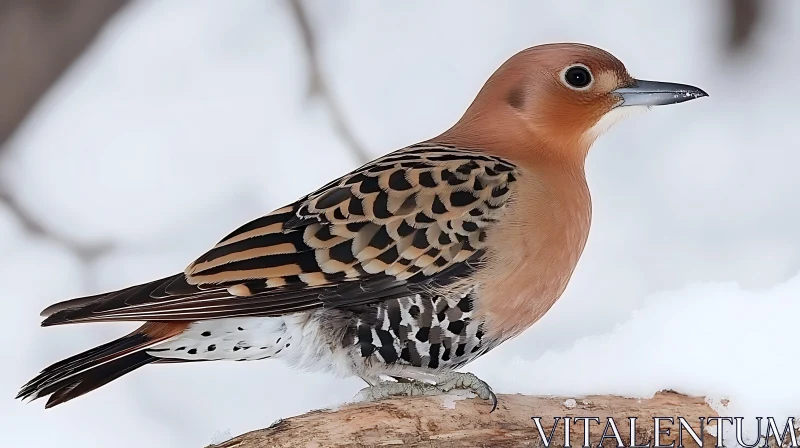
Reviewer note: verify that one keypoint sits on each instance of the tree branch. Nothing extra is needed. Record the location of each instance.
(429, 422)
(39, 40)
(319, 87)
(85, 252)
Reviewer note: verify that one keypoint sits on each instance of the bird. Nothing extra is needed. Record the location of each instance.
(404, 270)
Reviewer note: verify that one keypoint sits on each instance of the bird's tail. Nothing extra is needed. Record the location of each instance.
(87, 371)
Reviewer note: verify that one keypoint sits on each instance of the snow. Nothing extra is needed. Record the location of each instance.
(189, 117)
(713, 339)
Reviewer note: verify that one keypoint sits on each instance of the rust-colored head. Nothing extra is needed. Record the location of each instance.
(554, 100)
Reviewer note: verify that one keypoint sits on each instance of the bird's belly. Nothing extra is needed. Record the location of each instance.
(425, 330)
(240, 339)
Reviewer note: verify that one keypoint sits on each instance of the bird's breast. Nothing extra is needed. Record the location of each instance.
(533, 249)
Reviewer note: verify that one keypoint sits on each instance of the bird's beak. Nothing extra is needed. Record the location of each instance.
(654, 93)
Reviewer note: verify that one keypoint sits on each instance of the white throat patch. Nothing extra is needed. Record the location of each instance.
(612, 117)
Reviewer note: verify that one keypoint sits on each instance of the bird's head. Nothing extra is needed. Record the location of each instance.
(560, 98)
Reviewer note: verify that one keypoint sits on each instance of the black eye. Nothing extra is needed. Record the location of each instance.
(578, 77)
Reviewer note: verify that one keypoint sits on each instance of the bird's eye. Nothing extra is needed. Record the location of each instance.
(578, 77)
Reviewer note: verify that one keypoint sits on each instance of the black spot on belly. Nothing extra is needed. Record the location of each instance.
(367, 350)
(465, 304)
(365, 340)
(393, 311)
(456, 327)
(192, 351)
(388, 353)
(236, 348)
(434, 352)
(405, 354)
(385, 337)
(212, 347)
(442, 313)
(180, 348)
(422, 334)
(364, 334)
(205, 333)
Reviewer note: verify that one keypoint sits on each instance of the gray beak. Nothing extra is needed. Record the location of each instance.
(654, 93)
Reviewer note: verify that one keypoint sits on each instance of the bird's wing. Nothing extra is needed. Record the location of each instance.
(418, 215)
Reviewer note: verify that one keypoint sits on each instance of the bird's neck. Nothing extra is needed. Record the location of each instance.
(502, 131)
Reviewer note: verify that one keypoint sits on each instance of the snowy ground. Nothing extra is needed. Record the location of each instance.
(189, 117)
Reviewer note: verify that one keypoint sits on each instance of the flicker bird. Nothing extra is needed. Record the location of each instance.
(403, 270)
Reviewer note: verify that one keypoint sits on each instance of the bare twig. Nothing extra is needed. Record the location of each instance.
(85, 252)
(319, 88)
(743, 19)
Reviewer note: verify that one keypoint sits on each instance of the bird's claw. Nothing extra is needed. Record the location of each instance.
(457, 380)
(443, 384)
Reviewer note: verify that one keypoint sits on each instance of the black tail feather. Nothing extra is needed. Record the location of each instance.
(72, 387)
(84, 372)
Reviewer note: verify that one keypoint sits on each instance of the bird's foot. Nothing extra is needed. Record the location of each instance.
(466, 381)
(443, 383)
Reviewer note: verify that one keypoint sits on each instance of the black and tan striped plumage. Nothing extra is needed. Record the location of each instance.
(418, 215)
(408, 267)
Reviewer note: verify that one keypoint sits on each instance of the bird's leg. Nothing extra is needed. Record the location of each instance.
(442, 383)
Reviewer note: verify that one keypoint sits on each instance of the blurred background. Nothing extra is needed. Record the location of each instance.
(134, 134)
